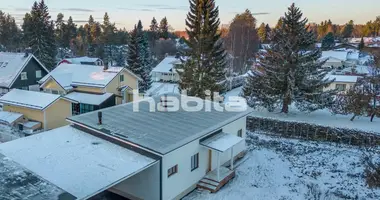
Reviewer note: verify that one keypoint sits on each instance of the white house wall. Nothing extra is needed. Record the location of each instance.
(179, 184)
(144, 185)
(233, 129)
(185, 178)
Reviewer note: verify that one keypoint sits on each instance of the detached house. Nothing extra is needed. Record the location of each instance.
(40, 110)
(152, 154)
(91, 87)
(21, 71)
(166, 71)
(82, 61)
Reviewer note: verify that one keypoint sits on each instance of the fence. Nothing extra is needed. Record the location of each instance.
(299, 130)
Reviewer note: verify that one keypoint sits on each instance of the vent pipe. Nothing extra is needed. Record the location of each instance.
(100, 117)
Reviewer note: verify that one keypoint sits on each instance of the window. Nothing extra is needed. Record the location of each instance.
(54, 91)
(38, 74)
(173, 170)
(24, 88)
(340, 87)
(194, 162)
(240, 133)
(75, 109)
(121, 77)
(85, 108)
(24, 76)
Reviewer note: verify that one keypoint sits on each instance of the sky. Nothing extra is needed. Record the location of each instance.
(126, 13)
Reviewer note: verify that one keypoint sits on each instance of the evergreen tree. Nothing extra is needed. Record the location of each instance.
(139, 57)
(206, 64)
(361, 44)
(328, 41)
(348, 29)
(60, 27)
(39, 32)
(10, 34)
(164, 28)
(262, 33)
(291, 70)
(154, 31)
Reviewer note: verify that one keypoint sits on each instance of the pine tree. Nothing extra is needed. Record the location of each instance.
(361, 44)
(291, 70)
(164, 28)
(206, 64)
(10, 34)
(39, 32)
(328, 41)
(348, 29)
(154, 31)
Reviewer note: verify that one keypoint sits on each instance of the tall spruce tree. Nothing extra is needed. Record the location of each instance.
(292, 71)
(39, 32)
(262, 33)
(138, 57)
(206, 64)
(328, 41)
(361, 44)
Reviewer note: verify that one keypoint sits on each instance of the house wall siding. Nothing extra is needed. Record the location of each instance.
(332, 86)
(88, 89)
(52, 84)
(57, 113)
(113, 86)
(31, 114)
(177, 185)
(30, 69)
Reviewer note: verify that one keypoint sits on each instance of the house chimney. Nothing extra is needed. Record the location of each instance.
(100, 117)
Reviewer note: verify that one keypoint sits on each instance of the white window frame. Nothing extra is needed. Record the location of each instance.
(240, 133)
(24, 76)
(38, 74)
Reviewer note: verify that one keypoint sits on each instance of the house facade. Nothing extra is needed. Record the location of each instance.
(48, 111)
(166, 71)
(21, 71)
(341, 82)
(92, 87)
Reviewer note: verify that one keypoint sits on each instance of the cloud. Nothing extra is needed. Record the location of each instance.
(138, 9)
(261, 13)
(22, 9)
(78, 10)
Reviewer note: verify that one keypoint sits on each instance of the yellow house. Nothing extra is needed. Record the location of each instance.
(67, 78)
(50, 110)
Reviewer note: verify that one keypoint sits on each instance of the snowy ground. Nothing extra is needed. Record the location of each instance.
(284, 169)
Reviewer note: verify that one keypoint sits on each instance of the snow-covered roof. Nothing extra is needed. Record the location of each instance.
(353, 55)
(75, 161)
(340, 55)
(158, 88)
(87, 98)
(17, 182)
(343, 78)
(359, 69)
(11, 65)
(158, 130)
(85, 75)
(79, 60)
(166, 65)
(221, 142)
(9, 117)
(29, 99)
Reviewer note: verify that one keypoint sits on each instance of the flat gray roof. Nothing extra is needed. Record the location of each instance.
(159, 131)
(16, 182)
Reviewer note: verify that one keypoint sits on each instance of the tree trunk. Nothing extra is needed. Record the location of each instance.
(373, 116)
(353, 117)
(285, 106)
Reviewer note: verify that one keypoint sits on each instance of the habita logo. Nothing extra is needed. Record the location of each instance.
(184, 103)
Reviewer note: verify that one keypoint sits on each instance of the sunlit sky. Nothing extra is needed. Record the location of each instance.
(125, 13)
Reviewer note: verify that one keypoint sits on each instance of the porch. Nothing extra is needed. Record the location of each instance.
(220, 144)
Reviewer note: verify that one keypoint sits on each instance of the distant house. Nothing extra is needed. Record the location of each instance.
(20, 70)
(82, 61)
(91, 87)
(340, 58)
(342, 82)
(152, 154)
(49, 111)
(166, 71)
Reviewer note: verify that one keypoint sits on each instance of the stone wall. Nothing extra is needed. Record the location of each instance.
(300, 130)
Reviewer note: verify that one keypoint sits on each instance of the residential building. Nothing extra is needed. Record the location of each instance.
(82, 61)
(340, 58)
(20, 70)
(48, 111)
(92, 86)
(341, 82)
(156, 153)
(166, 71)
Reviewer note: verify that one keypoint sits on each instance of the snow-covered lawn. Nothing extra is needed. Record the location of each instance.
(285, 169)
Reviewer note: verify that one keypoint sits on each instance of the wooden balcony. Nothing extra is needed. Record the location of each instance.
(212, 183)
